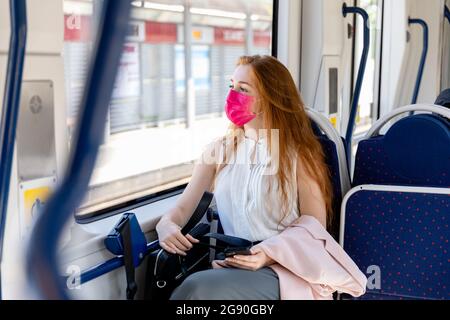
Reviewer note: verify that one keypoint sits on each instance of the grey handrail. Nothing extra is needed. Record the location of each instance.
(428, 108)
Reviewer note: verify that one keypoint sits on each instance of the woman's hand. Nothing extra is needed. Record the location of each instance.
(257, 260)
(172, 240)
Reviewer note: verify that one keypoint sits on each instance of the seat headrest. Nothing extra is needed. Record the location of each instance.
(316, 129)
(418, 147)
(444, 99)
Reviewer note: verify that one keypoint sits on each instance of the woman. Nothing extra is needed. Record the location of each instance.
(265, 174)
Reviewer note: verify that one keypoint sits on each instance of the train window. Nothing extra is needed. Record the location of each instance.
(368, 103)
(156, 128)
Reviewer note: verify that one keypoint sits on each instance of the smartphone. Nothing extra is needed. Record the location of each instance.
(237, 251)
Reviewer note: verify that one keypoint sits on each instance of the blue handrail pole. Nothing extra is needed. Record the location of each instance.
(11, 104)
(359, 80)
(111, 265)
(447, 13)
(42, 264)
(423, 58)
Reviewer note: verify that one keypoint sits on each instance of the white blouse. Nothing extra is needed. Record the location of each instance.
(248, 202)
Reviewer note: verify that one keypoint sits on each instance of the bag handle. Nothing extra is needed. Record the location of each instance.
(199, 212)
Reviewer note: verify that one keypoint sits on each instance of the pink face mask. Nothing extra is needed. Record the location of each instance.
(238, 108)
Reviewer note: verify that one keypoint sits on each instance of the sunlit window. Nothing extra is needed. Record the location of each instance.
(150, 144)
(368, 103)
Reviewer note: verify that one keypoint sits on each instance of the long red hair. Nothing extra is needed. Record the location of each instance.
(283, 108)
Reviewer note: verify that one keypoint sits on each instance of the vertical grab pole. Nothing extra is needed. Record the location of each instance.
(42, 264)
(359, 81)
(423, 58)
(11, 101)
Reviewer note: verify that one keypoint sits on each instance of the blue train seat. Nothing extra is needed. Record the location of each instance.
(396, 217)
(334, 150)
(404, 232)
(415, 151)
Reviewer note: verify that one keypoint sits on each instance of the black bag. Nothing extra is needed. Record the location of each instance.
(165, 271)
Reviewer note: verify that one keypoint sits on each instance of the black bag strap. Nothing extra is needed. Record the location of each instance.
(230, 241)
(128, 260)
(199, 212)
(226, 243)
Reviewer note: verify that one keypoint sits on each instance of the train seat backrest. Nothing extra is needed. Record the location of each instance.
(399, 237)
(415, 151)
(332, 161)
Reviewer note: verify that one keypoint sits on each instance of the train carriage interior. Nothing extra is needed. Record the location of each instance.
(107, 105)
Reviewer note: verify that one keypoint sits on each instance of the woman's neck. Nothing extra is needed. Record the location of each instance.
(252, 129)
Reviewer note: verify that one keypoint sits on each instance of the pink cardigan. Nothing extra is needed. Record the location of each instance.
(310, 264)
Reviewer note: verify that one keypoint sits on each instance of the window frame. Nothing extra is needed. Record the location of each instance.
(129, 205)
